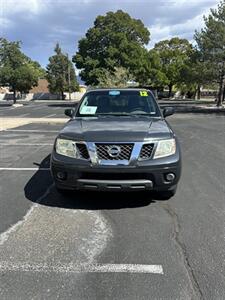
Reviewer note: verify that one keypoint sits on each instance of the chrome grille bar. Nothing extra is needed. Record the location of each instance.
(124, 151)
(129, 155)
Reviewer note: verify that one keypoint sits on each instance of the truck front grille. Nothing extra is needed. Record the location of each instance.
(103, 151)
(146, 151)
(83, 152)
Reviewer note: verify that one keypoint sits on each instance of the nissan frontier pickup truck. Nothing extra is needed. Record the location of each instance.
(117, 140)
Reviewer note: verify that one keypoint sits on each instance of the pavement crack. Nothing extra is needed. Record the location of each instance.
(183, 251)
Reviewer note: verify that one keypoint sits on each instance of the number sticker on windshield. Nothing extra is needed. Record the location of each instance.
(143, 93)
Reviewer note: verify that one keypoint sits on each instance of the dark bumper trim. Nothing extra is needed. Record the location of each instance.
(92, 184)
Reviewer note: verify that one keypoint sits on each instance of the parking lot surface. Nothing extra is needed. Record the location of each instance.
(37, 110)
(111, 245)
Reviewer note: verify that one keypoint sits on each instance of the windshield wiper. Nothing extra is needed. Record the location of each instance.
(113, 114)
(84, 116)
(143, 114)
(128, 115)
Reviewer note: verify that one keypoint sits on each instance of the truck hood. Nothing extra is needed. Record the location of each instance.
(116, 129)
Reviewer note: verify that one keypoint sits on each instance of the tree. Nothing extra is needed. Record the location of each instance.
(61, 74)
(211, 43)
(116, 40)
(17, 70)
(151, 74)
(118, 78)
(174, 54)
(195, 73)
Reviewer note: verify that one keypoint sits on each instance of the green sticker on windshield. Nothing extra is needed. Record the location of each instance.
(143, 93)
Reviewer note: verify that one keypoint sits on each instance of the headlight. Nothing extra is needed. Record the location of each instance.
(165, 148)
(66, 147)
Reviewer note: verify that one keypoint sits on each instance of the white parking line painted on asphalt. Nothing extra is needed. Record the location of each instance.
(24, 115)
(24, 169)
(5, 235)
(90, 232)
(4, 144)
(6, 108)
(82, 268)
(30, 130)
(37, 107)
(13, 107)
(49, 116)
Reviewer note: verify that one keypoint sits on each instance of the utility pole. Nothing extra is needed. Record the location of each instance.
(69, 75)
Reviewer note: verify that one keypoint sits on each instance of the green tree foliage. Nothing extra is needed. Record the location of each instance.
(116, 40)
(118, 78)
(195, 73)
(17, 70)
(211, 43)
(174, 54)
(151, 74)
(61, 74)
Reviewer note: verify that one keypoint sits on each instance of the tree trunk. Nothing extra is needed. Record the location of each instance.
(198, 92)
(62, 95)
(220, 93)
(223, 93)
(14, 96)
(170, 89)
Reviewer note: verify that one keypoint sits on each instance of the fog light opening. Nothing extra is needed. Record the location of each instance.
(61, 175)
(170, 177)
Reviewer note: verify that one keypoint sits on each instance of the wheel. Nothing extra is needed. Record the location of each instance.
(166, 195)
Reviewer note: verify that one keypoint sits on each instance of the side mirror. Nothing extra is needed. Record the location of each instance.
(69, 112)
(168, 111)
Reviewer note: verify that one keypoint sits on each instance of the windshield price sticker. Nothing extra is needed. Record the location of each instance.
(143, 93)
(88, 110)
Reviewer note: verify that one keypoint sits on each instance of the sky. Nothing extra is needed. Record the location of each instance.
(39, 24)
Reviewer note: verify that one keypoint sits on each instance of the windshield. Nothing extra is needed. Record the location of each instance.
(118, 102)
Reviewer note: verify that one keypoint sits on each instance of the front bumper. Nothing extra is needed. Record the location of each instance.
(144, 175)
(114, 185)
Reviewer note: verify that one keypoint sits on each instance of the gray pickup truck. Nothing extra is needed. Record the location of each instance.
(117, 140)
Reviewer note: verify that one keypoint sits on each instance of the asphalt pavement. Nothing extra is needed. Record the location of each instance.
(37, 110)
(111, 245)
